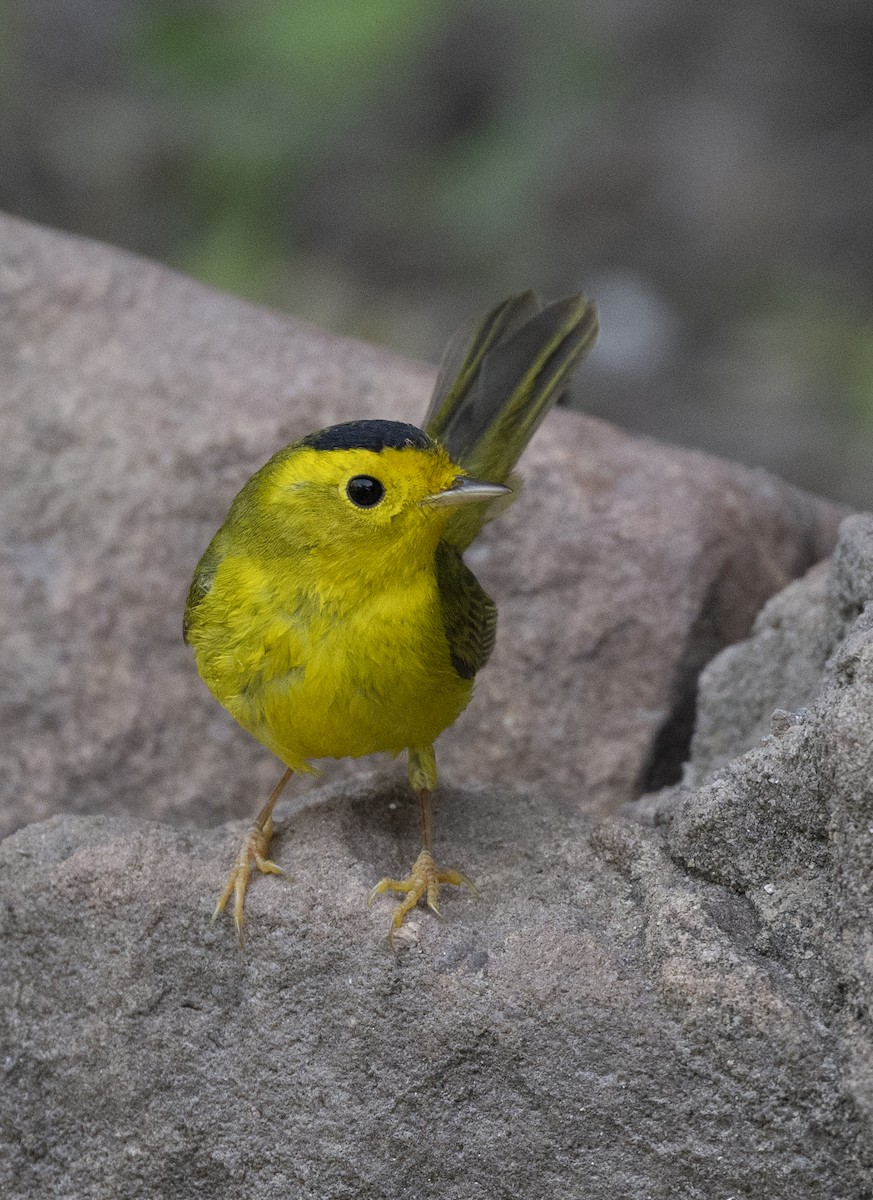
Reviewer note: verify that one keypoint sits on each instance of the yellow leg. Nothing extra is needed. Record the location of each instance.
(252, 851)
(425, 878)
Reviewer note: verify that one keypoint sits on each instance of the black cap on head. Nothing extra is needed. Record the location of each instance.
(368, 435)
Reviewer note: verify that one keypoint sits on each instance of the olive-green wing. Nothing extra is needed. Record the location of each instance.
(469, 614)
(200, 585)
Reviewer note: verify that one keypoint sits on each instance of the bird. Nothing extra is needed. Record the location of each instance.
(333, 615)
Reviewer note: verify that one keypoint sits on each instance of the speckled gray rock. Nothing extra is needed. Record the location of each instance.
(777, 806)
(626, 1013)
(134, 403)
(599, 1023)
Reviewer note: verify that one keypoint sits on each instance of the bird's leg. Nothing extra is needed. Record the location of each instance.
(425, 878)
(252, 851)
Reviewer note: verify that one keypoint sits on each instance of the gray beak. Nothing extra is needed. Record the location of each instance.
(466, 491)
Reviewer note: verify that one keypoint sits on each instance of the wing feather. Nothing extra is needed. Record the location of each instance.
(469, 614)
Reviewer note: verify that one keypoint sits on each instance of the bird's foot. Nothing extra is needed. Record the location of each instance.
(252, 852)
(424, 881)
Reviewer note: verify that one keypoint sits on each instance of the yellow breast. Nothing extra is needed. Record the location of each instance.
(328, 677)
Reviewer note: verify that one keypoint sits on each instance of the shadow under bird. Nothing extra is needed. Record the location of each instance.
(333, 615)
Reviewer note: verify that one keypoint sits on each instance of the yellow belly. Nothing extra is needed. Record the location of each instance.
(316, 682)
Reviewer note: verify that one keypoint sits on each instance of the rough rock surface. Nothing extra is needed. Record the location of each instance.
(628, 1013)
(777, 801)
(134, 405)
(672, 1005)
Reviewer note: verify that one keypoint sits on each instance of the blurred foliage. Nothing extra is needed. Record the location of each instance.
(388, 167)
(256, 87)
(266, 94)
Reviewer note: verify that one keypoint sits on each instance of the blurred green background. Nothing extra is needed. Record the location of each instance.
(388, 167)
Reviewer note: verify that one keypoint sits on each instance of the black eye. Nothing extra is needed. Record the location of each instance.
(365, 491)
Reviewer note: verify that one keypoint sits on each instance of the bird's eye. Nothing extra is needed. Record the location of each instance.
(365, 491)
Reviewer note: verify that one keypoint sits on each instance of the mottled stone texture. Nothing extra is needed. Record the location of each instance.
(135, 403)
(627, 1012)
(670, 1003)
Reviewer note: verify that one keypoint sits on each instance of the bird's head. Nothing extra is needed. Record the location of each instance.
(361, 495)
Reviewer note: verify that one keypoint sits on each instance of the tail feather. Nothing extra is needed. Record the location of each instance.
(496, 386)
(463, 357)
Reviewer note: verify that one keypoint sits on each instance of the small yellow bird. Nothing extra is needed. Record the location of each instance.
(333, 615)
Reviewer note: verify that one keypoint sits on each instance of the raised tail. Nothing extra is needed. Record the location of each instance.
(497, 382)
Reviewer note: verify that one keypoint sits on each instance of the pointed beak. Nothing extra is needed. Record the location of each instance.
(466, 491)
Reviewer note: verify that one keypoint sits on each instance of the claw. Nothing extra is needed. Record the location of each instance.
(252, 851)
(423, 882)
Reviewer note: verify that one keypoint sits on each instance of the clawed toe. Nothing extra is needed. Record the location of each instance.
(423, 883)
(252, 852)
